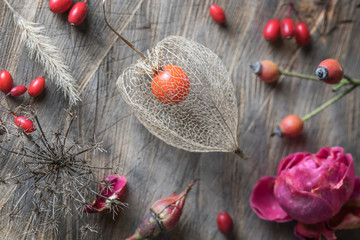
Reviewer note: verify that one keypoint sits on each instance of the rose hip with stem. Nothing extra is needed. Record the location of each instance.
(36, 87)
(302, 35)
(272, 30)
(18, 91)
(293, 126)
(78, 13)
(287, 28)
(60, 6)
(26, 124)
(6, 81)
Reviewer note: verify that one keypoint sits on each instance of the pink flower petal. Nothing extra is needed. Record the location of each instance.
(264, 203)
(349, 215)
(116, 186)
(313, 231)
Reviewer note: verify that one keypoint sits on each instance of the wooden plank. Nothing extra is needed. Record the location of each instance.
(155, 169)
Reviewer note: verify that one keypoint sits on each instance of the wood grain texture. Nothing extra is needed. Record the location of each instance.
(155, 169)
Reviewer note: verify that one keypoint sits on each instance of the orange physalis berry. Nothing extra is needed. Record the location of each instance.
(171, 85)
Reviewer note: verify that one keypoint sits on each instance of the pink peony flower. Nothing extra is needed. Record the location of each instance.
(315, 189)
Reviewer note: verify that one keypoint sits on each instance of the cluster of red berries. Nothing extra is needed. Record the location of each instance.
(329, 71)
(287, 28)
(36, 87)
(77, 13)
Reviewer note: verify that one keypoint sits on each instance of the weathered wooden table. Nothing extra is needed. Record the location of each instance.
(153, 168)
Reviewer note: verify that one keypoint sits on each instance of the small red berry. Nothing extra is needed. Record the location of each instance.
(25, 123)
(37, 87)
(217, 13)
(266, 70)
(302, 34)
(287, 28)
(77, 13)
(60, 6)
(290, 126)
(272, 30)
(18, 91)
(6, 81)
(225, 223)
(330, 71)
(171, 85)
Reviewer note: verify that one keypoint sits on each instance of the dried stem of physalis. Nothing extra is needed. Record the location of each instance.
(54, 178)
(41, 48)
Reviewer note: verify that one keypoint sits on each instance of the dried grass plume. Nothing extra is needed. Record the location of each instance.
(49, 56)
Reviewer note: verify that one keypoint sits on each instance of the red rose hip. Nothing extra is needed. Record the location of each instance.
(25, 123)
(291, 126)
(78, 13)
(302, 35)
(6, 81)
(266, 70)
(330, 71)
(272, 30)
(37, 87)
(225, 223)
(60, 6)
(287, 28)
(217, 13)
(18, 91)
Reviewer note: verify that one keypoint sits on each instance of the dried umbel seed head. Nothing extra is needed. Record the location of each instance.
(290, 126)
(266, 70)
(171, 85)
(272, 30)
(164, 215)
(330, 71)
(287, 28)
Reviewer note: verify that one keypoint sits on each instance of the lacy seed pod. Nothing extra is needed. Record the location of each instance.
(206, 120)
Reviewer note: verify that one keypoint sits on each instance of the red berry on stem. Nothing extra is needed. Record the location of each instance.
(225, 223)
(302, 34)
(290, 126)
(171, 85)
(25, 123)
(217, 13)
(287, 28)
(60, 6)
(330, 71)
(272, 30)
(6, 81)
(18, 91)
(77, 13)
(37, 87)
(266, 70)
